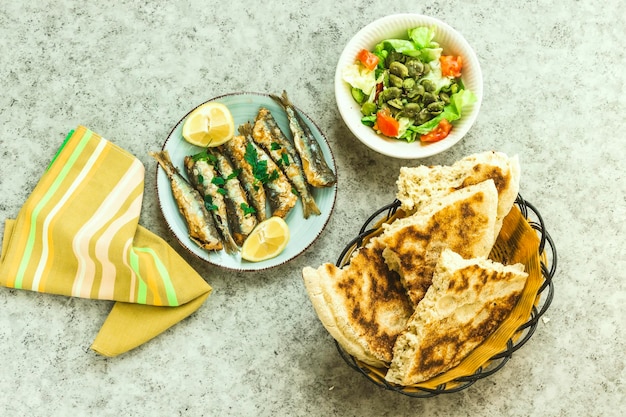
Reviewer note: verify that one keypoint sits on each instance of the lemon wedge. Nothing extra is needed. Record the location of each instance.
(210, 124)
(268, 239)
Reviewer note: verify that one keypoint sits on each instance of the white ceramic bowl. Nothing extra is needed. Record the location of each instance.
(396, 26)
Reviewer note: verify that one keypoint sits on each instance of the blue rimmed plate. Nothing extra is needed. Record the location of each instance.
(244, 107)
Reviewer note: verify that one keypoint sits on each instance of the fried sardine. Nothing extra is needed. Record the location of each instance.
(316, 169)
(271, 138)
(200, 223)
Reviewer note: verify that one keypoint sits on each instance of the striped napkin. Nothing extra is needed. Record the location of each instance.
(78, 235)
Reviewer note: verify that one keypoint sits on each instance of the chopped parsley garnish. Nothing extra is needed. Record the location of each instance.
(259, 167)
(205, 156)
(234, 174)
(208, 203)
(247, 209)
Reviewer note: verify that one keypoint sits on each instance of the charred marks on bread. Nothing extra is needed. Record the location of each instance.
(440, 350)
(481, 172)
(384, 291)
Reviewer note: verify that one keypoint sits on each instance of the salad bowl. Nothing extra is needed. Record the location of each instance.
(397, 27)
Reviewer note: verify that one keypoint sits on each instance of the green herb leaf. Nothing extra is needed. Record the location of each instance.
(200, 156)
(250, 156)
(205, 156)
(234, 174)
(275, 146)
(218, 181)
(221, 191)
(247, 209)
(273, 176)
(259, 167)
(208, 203)
(284, 158)
(260, 171)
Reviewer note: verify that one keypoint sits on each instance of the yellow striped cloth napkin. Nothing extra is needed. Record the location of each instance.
(78, 235)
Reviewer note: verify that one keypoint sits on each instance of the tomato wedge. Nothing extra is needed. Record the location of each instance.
(438, 133)
(451, 65)
(368, 59)
(386, 123)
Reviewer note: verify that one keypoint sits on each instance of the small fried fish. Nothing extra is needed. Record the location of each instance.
(235, 150)
(241, 216)
(208, 182)
(271, 138)
(279, 189)
(200, 223)
(316, 169)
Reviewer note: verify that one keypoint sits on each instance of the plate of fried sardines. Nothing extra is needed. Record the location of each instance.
(278, 164)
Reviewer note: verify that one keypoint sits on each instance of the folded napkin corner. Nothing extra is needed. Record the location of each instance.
(78, 235)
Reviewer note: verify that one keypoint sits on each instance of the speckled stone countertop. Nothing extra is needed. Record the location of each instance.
(554, 94)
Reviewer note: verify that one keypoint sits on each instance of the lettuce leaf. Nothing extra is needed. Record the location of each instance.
(420, 44)
(359, 77)
(423, 37)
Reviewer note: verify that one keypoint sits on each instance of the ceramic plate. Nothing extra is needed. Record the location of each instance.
(303, 232)
(396, 26)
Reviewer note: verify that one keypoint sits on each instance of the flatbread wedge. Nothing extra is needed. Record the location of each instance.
(363, 306)
(418, 186)
(467, 301)
(463, 221)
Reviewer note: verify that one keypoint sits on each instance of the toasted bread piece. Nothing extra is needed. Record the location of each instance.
(418, 186)
(363, 306)
(463, 221)
(468, 300)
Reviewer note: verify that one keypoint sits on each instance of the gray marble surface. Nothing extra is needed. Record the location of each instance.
(554, 94)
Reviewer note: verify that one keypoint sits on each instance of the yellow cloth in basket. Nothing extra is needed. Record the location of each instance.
(78, 235)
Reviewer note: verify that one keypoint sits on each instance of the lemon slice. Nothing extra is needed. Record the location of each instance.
(210, 124)
(266, 241)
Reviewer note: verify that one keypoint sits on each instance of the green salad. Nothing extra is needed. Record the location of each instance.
(407, 88)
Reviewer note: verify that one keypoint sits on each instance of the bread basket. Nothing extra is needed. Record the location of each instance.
(524, 239)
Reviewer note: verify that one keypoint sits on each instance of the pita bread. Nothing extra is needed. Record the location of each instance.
(463, 221)
(467, 301)
(418, 186)
(363, 306)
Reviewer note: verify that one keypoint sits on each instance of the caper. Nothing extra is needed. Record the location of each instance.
(413, 96)
(426, 69)
(436, 107)
(391, 93)
(398, 69)
(408, 84)
(454, 88)
(396, 103)
(444, 97)
(393, 57)
(429, 85)
(423, 116)
(429, 98)
(415, 67)
(395, 81)
(411, 109)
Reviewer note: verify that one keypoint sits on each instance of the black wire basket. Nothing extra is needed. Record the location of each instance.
(545, 294)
